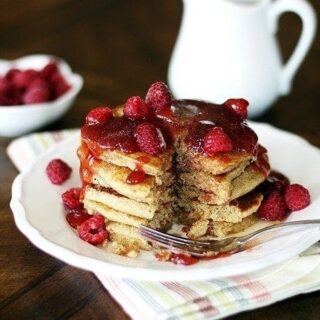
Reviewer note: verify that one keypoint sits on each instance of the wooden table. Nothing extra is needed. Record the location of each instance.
(120, 47)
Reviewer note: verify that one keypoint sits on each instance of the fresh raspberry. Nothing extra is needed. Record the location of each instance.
(58, 171)
(16, 97)
(99, 115)
(273, 207)
(93, 230)
(135, 108)
(4, 101)
(3, 85)
(149, 138)
(71, 198)
(59, 84)
(6, 92)
(23, 79)
(76, 217)
(159, 97)
(36, 95)
(50, 69)
(11, 74)
(297, 197)
(240, 106)
(216, 141)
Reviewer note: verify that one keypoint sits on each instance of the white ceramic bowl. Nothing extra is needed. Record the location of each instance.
(18, 120)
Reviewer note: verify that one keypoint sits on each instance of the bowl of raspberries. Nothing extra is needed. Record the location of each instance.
(34, 91)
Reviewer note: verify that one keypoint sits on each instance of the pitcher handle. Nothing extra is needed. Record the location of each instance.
(309, 22)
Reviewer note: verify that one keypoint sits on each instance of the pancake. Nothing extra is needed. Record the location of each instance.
(233, 212)
(217, 193)
(150, 165)
(211, 193)
(243, 174)
(127, 238)
(219, 229)
(94, 207)
(118, 202)
(213, 165)
(161, 221)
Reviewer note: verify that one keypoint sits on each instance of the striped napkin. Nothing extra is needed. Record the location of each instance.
(210, 299)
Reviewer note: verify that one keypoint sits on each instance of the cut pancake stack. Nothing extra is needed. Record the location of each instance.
(212, 194)
(125, 206)
(217, 195)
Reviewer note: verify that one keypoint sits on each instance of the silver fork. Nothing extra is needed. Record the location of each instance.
(207, 247)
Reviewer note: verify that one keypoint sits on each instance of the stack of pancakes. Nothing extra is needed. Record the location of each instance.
(211, 195)
(124, 205)
(217, 195)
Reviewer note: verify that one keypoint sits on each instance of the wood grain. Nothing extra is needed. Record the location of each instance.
(120, 47)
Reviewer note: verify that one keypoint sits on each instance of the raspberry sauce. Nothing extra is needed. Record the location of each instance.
(192, 116)
(87, 163)
(275, 181)
(180, 258)
(211, 115)
(136, 177)
(262, 164)
(117, 133)
(76, 217)
(187, 260)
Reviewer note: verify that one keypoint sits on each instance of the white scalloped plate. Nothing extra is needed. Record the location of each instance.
(38, 214)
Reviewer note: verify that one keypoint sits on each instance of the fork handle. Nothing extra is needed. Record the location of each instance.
(259, 232)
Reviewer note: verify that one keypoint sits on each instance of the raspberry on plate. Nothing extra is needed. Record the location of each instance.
(58, 171)
(99, 115)
(239, 106)
(135, 108)
(149, 138)
(159, 97)
(216, 141)
(273, 208)
(93, 230)
(297, 197)
(71, 198)
(76, 217)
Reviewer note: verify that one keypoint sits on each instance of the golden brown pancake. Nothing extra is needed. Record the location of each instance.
(213, 194)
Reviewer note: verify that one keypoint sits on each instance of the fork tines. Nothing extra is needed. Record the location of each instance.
(198, 247)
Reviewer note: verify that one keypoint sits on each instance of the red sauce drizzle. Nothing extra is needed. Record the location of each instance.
(138, 175)
(186, 260)
(87, 163)
(210, 115)
(262, 165)
(180, 258)
(195, 116)
(275, 181)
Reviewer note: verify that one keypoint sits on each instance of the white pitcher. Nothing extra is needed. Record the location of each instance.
(228, 49)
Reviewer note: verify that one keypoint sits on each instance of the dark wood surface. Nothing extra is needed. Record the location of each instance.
(120, 47)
